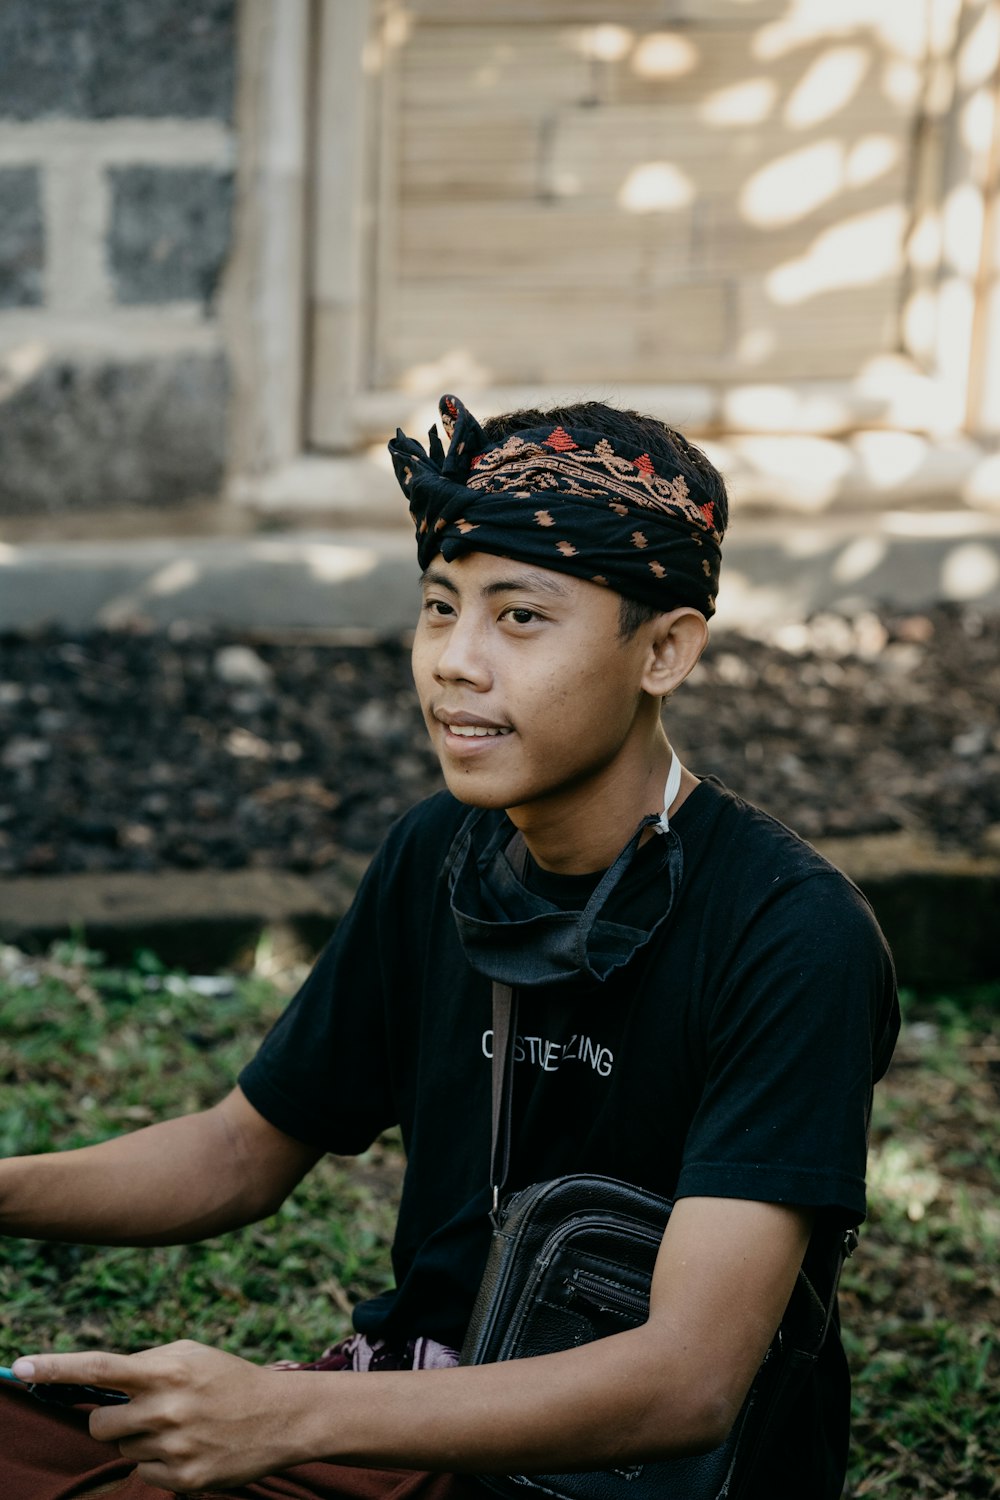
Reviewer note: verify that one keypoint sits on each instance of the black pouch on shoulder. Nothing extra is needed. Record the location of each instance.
(571, 1261)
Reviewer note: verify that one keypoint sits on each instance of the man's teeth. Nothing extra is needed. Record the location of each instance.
(474, 731)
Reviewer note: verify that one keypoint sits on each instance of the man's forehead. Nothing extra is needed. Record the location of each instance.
(482, 572)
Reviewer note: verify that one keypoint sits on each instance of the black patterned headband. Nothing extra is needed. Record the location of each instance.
(570, 500)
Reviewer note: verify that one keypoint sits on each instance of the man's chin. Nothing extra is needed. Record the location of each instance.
(473, 791)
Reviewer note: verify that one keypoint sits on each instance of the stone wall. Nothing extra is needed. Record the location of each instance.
(117, 154)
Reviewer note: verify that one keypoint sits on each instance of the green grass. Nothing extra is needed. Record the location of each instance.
(921, 1299)
(87, 1051)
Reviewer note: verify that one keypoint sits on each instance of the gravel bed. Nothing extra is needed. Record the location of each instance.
(147, 751)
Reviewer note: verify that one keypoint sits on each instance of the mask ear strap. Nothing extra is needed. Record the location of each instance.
(670, 791)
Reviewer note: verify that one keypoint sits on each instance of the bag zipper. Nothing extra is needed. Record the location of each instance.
(607, 1296)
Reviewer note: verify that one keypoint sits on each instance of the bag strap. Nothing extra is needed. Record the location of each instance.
(504, 1031)
(504, 1034)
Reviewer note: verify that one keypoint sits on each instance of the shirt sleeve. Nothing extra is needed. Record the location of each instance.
(799, 1029)
(321, 1074)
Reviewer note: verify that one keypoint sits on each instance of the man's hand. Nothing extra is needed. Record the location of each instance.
(196, 1419)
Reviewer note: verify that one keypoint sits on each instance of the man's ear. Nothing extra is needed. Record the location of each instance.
(676, 641)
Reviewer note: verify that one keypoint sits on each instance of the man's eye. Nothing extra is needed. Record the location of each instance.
(439, 608)
(521, 616)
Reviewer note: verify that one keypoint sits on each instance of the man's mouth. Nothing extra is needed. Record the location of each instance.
(476, 731)
(470, 726)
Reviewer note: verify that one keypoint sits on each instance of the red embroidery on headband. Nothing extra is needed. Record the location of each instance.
(708, 511)
(560, 440)
(645, 464)
(473, 461)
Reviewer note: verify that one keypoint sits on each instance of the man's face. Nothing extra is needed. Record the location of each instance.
(526, 687)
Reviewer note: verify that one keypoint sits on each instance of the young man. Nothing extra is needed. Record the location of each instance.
(711, 1031)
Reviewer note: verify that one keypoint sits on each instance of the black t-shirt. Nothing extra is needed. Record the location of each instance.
(733, 1056)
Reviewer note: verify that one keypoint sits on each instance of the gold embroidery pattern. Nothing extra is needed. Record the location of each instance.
(515, 464)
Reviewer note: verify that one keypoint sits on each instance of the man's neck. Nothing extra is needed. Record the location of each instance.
(584, 828)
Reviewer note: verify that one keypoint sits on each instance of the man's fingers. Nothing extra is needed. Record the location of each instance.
(118, 1372)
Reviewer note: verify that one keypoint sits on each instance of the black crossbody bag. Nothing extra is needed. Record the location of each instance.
(571, 1261)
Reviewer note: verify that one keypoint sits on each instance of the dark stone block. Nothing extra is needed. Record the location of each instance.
(147, 432)
(169, 232)
(22, 237)
(101, 58)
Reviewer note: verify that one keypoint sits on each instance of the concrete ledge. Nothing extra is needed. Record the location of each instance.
(199, 920)
(938, 910)
(327, 581)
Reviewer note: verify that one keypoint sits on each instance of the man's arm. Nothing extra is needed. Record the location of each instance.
(202, 1419)
(172, 1183)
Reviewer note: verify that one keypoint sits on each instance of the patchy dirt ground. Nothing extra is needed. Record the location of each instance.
(146, 751)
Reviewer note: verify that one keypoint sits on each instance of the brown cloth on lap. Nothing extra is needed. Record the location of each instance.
(47, 1453)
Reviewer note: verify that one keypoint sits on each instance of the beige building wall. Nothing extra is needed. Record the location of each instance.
(769, 221)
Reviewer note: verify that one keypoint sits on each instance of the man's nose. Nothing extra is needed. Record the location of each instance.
(464, 654)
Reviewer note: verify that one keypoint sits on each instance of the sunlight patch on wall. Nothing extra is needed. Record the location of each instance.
(781, 408)
(857, 252)
(956, 316)
(808, 470)
(607, 43)
(756, 345)
(900, 25)
(747, 103)
(869, 159)
(665, 54)
(826, 87)
(456, 369)
(655, 187)
(980, 52)
(888, 459)
(924, 246)
(976, 122)
(793, 186)
(919, 322)
(982, 488)
(962, 228)
(901, 83)
(912, 399)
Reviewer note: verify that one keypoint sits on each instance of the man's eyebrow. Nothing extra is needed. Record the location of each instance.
(440, 580)
(526, 582)
(519, 583)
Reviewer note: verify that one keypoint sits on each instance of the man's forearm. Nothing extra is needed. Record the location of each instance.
(628, 1399)
(200, 1419)
(170, 1183)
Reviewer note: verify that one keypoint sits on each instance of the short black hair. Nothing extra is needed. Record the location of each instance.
(647, 435)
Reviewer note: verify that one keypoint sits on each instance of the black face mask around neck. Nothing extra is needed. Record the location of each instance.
(516, 937)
